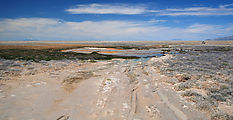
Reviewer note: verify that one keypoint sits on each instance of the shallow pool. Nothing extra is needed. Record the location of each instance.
(120, 52)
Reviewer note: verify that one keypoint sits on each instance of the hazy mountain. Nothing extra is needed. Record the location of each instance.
(223, 38)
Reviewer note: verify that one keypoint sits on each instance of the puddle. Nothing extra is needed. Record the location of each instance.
(119, 52)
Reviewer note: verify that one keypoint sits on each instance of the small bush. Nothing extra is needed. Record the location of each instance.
(185, 85)
(218, 115)
(218, 97)
(191, 93)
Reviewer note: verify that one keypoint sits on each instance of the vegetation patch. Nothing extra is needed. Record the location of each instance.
(207, 68)
(37, 55)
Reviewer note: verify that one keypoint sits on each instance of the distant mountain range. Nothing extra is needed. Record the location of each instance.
(223, 38)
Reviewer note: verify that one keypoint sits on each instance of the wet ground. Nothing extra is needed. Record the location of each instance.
(119, 52)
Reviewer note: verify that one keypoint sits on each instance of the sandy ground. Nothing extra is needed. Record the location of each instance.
(105, 90)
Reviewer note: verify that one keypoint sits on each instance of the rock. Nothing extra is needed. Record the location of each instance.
(185, 107)
(183, 77)
(153, 110)
(27, 63)
(13, 95)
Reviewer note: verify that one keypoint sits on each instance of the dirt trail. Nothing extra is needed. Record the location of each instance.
(105, 90)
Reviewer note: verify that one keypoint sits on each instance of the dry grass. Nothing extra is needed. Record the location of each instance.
(41, 46)
(117, 45)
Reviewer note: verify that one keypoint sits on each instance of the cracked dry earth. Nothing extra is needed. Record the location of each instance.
(105, 90)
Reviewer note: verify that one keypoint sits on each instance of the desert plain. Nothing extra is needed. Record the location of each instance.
(55, 80)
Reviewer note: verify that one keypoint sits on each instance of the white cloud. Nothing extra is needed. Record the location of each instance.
(107, 9)
(224, 6)
(204, 28)
(141, 9)
(198, 11)
(55, 29)
(157, 21)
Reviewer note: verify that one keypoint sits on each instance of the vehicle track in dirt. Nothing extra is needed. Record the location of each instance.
(116, 89)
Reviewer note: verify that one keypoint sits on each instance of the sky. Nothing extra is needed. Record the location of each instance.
(115, 20)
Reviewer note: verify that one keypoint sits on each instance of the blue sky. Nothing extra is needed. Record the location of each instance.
(119, 20)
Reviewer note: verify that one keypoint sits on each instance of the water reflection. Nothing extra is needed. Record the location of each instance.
(120, 52)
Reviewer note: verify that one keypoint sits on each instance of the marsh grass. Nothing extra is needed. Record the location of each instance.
(37, 55)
